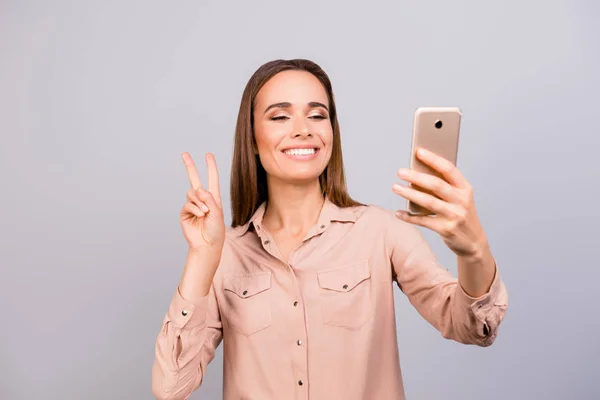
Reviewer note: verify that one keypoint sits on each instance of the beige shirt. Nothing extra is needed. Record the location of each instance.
(320, 325)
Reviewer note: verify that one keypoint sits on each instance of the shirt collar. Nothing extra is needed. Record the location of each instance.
(329, 213)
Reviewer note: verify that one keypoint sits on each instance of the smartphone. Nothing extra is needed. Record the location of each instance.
(437, 130)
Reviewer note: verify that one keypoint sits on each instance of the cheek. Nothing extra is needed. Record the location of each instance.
(327, 139)
(266, 141)
(263, 138)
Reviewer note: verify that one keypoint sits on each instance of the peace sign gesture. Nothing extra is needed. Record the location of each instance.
(202, 216)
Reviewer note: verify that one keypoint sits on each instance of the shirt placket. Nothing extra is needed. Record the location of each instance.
(299, 336)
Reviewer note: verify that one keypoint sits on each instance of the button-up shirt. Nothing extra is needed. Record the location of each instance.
(320, 325)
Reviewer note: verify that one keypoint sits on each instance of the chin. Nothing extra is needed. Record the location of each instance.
(298, 177)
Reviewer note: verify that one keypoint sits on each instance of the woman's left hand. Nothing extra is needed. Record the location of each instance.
(456, 218)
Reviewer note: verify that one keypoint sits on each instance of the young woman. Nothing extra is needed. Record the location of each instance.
(300, 288)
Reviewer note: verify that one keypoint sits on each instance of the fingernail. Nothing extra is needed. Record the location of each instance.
(403, 172)
(204, 208)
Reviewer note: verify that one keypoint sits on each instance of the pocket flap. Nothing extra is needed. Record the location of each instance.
(247, 285)
(346, 278)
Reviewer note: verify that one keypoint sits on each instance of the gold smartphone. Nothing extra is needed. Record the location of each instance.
(437, 130)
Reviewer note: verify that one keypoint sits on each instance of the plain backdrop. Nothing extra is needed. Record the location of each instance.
(99, 98)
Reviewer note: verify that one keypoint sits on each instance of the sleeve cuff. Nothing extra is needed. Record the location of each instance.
(183, 313)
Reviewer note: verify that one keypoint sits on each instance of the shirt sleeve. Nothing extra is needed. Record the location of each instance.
(438, 296)
(186, 344)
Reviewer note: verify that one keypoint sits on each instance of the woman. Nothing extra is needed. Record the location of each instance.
(300, 287)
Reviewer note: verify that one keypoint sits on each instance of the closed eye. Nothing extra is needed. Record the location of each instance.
(283, 117)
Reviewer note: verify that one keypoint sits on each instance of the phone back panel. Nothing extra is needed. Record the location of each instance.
(436, 129)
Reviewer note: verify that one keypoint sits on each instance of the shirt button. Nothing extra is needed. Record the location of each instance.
(295, 304)
(184, 312)
(300, 383)
(299, 342)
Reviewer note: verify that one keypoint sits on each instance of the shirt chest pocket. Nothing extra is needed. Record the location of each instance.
(247, 302)
(346, 295)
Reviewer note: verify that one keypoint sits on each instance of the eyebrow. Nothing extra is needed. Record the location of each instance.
(286, 104)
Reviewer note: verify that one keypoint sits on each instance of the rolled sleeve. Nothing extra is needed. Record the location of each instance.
(485, 313)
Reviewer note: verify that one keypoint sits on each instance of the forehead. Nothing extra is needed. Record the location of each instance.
(296, 87)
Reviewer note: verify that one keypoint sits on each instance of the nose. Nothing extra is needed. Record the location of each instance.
(300, 129)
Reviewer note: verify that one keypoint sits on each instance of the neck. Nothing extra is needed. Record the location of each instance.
(293, 208)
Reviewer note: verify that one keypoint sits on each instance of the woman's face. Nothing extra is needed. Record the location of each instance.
(292, 128)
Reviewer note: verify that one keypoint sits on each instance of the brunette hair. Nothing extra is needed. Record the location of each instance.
(248, 177)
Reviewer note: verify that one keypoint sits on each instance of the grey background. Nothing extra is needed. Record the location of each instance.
(98, 100)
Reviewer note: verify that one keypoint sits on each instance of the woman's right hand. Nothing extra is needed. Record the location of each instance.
(201, 217)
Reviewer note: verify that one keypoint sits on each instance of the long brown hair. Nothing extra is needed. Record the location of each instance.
(248, 177)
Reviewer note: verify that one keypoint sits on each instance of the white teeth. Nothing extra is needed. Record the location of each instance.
(300, 152)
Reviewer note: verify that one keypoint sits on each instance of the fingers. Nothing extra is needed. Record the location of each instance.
(423, 199)
(448, 170)
(192, 172)
(430, 182)
(192, 209)
(208, 199)
(194, 198)
(213, 178)
(204, 200)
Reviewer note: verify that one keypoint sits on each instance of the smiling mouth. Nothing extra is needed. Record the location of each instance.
(301, 152)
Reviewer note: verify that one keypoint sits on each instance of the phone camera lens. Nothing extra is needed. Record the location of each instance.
(438, 124)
